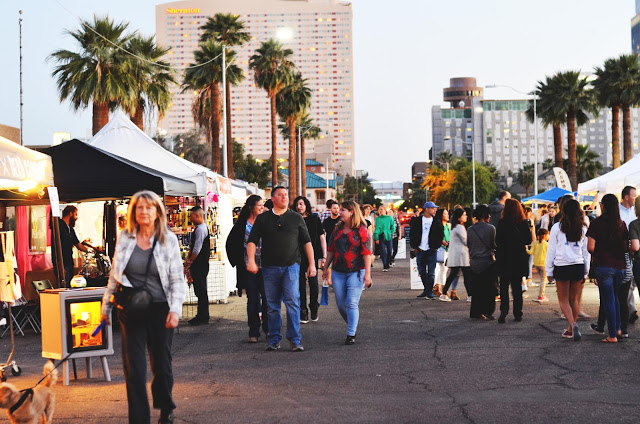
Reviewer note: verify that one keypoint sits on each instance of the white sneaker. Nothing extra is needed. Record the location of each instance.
(445, 298)
(469, 299)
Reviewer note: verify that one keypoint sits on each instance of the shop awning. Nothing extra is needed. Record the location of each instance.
(83, 172)
(23, 172)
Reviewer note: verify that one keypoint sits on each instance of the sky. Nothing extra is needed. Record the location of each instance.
(405, 52)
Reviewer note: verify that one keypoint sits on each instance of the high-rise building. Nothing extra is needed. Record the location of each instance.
(635, 30)
(501, 134)
(320, 34)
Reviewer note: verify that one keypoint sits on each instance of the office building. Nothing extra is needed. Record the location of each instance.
(502, 134)
(320, 34)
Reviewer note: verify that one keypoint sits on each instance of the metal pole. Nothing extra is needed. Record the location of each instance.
(473, 172)
(535, 146)
(225, 165)
(21, 101)
(301, 167)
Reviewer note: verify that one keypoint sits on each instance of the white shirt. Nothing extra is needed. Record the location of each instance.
(627, 215)
(561, 252)
(426, 227)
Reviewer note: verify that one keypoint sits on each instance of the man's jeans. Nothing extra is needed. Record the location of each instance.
(281, 284)
(609, 281)
(347, 287)
(426, 262)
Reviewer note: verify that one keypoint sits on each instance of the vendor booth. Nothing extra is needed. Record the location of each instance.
(24, 175)
(614, 181)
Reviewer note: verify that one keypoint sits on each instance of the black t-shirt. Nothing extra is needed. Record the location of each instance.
(281, 236)
(329, 224)
(68, 239)
(314, 226)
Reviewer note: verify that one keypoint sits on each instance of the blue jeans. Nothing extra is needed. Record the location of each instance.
(426, 262)
(609, 281)
(281, 285)
(347, 287)
(386, 250)
(256, 303)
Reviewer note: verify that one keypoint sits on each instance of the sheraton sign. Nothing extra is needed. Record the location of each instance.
(190, 10)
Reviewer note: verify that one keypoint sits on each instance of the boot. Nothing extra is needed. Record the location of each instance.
(454, 295)
(436, 290)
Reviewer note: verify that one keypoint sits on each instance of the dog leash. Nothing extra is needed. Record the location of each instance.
(29, 392)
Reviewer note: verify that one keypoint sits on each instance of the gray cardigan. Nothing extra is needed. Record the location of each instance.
(169, 263)
(458, 250)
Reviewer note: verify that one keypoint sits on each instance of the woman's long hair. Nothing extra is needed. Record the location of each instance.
(160, 223)
(572, 220)
(513, 212)
(357, 219)
(440, 212)
(611, 215)
(307, 205)
(561, 203)
(455, 220)
(251, 202)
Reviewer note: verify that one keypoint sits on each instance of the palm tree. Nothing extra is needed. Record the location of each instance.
(546, 93)
(588, 163)
(575, 100)
(205, 80)
(618, 82)
(548, 164)
(153, 78)
(97, 74)
(272, 69)
(229, 30)
(525, 177)
(307, 129)
(292, 102)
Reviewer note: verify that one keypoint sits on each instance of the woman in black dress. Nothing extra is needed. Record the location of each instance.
(513, 234)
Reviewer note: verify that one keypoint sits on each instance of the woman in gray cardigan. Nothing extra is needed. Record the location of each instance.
(458, 259)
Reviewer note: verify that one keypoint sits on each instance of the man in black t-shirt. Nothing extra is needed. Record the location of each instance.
(68, 240)
(281, 232)
(330, 223)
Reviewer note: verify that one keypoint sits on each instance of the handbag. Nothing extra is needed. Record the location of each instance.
(440, 254)
(135, 301)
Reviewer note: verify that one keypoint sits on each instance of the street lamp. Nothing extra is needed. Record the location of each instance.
(535, 131)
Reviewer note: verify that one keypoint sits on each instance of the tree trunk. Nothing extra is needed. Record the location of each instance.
(293, 159)
(626, 132)
(571, 147)
(557, 145)
(215, 128)
(138, 117)
(303, 163)
(100, 116)
(229, 135)
(615, 135)
(274, 143)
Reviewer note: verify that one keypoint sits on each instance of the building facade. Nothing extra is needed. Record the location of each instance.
(635, 30)
(320, 34)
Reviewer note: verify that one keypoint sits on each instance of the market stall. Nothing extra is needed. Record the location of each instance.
(614, 181)
(24, 175)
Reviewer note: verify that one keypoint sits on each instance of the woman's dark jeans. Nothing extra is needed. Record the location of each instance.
(313, 291)
(386, 250)
(515, 281)
(609, 282)
(256, 303)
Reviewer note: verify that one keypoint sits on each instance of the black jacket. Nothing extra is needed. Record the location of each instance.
(511, 252)
(235, 244)
(436, 234)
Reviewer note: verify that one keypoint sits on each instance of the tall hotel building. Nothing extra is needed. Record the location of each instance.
(635, 30)
(320, 34)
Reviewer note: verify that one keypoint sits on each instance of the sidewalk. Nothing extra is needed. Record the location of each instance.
(414, 361)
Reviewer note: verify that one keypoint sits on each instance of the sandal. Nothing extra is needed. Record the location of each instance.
(609, 340)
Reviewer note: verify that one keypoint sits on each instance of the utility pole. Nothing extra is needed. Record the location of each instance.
(21, 101)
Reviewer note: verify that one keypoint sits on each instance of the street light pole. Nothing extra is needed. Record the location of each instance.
(225, 171)
(301, 166)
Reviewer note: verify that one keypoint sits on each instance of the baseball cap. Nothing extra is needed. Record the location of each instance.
(430, 205)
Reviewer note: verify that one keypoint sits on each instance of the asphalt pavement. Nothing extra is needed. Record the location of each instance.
(414, 361)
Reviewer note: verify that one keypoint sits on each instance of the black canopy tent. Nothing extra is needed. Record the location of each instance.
(84, 173)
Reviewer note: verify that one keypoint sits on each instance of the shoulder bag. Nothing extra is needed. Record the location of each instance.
(135, 301)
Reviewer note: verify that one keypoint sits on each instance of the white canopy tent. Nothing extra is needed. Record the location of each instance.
(123, 138)
(615, 180)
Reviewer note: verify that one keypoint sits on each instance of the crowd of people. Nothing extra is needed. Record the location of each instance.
(496, 247)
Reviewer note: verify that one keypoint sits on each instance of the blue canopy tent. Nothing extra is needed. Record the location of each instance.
(552, 195)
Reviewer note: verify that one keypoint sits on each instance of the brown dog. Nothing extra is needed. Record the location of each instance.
(37, 406)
